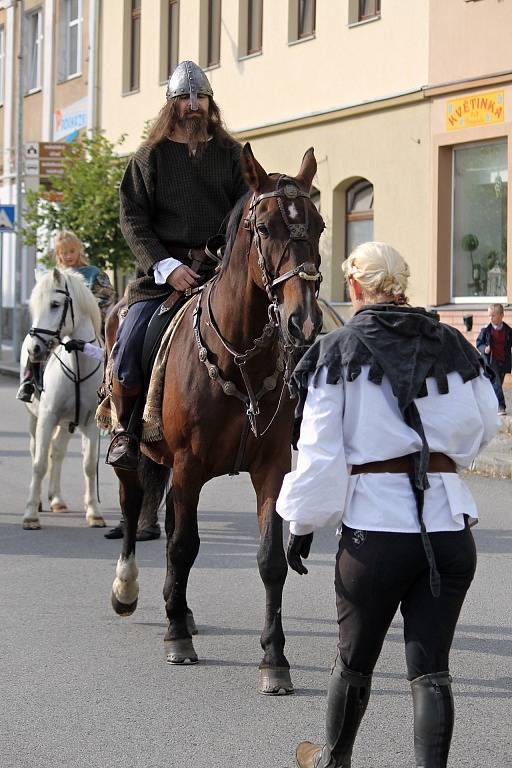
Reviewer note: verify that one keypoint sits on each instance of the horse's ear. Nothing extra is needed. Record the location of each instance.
(307, 169)
(253, 173)
(57, 277)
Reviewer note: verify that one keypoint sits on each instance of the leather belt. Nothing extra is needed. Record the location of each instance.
(438, 462)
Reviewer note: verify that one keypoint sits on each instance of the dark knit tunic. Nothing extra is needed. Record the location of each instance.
(168, 198)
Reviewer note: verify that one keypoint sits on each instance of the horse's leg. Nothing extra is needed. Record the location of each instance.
(58, 448)
(182, 549)
(169, 530)
(32, 426)
(43, 436)
(90, 462)
(274, 675)
(125, 589)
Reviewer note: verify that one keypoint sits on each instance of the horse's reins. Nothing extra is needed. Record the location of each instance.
(305, 271)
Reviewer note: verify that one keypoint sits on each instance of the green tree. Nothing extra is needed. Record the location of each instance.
(84, 199)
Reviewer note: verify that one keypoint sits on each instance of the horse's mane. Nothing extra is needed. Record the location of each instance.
(84, 302)
(232, 227)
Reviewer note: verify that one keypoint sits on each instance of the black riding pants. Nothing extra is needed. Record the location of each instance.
(378, 572)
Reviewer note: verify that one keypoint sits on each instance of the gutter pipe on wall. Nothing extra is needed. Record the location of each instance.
(18, 255)
(92, 85)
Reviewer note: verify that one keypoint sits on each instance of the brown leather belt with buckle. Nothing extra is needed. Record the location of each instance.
(438, 462)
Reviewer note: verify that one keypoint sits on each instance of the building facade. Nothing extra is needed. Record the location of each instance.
(408, 107)
(60, 97)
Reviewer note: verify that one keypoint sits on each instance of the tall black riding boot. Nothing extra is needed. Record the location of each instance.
(433, 719)
(123, 451)
(347, 699)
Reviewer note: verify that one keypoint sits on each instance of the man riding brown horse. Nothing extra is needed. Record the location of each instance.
(175, 194)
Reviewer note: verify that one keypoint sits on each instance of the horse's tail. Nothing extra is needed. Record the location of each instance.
(153, 478)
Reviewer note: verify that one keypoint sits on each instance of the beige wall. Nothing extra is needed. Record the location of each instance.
(468, 39)
(286, 81)
(391, 149)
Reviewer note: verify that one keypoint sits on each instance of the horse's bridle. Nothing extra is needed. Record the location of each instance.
(40, 333)
(286, 189)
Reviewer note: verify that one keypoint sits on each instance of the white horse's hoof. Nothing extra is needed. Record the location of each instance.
(31, 525)
(59, 507)
(95, 521)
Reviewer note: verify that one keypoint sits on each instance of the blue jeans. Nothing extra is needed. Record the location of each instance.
(127, 351)
(499, 369)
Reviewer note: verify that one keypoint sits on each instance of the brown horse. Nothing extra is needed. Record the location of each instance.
(236, 346)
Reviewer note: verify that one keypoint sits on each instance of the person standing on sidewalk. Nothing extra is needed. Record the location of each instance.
(495, 344)
(391, 404)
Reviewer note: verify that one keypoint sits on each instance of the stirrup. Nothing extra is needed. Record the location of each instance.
(132, 442)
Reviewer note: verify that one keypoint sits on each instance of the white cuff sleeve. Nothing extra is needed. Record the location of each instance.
(314, 494)
(162, 269)
(93, 351)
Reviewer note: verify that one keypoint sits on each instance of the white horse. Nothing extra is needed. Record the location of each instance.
(62, 308)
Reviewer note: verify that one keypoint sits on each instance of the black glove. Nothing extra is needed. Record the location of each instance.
(74, 345)
(298, 546)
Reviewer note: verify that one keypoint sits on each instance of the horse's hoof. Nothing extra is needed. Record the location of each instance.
(40, 507)
(95, 521)
(31, 525)
(123, 609)
(180, 651)
(275, 682)
(59, 507)
(191, 624)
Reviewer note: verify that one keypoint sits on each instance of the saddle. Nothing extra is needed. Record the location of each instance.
(201, 260)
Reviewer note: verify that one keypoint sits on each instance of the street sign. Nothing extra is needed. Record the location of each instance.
(7, 218)
(51, 158)
(32, 149)
(31, 167)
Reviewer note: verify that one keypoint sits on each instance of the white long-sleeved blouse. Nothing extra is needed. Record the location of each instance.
(354, 422)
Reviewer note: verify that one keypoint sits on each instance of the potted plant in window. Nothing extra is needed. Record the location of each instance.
(470, 244)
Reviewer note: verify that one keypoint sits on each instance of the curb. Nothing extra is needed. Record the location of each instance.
(9, 369)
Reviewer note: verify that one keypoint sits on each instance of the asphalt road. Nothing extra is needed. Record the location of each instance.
(80, 687)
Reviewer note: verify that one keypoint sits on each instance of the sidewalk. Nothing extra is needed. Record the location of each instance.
(496, 459)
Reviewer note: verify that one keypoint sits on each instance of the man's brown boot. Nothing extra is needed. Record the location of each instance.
(123, 451)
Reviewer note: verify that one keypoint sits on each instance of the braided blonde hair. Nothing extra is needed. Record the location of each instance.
(379, 269)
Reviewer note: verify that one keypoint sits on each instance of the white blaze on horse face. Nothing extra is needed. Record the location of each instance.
(292, 211)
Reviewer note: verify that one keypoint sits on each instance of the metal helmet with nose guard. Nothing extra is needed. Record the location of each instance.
(188, 79)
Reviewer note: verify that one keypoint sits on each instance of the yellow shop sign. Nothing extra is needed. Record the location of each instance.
(476, 109)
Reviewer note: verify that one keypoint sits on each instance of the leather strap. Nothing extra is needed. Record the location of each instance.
(438, 462)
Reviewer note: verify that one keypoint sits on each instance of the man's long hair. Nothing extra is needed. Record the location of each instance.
(165, 123)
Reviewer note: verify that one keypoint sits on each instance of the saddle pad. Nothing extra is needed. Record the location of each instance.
(152, 416)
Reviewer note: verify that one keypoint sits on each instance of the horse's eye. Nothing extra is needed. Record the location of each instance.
(262, 229)
(54, 305)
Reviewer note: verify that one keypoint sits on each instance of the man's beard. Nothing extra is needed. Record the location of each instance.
(196, 129)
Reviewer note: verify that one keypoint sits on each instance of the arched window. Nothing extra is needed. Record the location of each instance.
(359, 216)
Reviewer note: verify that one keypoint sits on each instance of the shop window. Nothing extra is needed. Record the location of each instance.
(70, 29)
(363, 10)
(34, 47)
(479, 235)
(301, 19)
(359, 217)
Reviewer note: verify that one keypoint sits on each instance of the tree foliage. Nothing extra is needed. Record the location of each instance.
(88, 204)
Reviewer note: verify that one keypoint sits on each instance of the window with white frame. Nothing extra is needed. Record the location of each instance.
(34, 50)
(70, 38)
(2, 63)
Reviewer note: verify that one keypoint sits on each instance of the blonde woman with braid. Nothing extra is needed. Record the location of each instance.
(392, 404)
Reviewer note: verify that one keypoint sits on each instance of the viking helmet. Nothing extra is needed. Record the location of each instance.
(188, 78)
